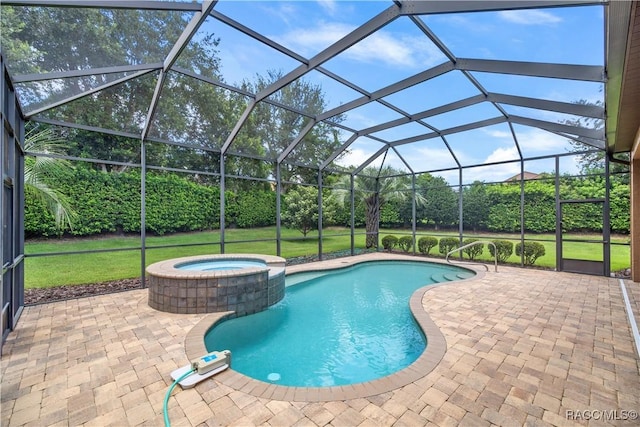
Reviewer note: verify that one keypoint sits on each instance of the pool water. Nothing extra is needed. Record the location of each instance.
(342, 327)
(219, 265)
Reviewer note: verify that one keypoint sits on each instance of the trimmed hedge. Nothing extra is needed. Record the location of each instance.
(110, 202)
(532, 251)
(389, 242)
(405, 243)
(504, 249)
(426, 243)
(472, 251)
(447, 244)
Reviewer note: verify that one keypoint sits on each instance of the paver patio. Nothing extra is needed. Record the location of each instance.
(523, 347)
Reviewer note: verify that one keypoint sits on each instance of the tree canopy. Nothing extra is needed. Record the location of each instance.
(191, 112)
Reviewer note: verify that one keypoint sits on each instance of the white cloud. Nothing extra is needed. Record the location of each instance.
(353, 157)
(529, 17)
(540, 142)
(503, 154)
(382, 46)
(328, 5)
(431, 159)
(311, 40)
(498, 133)
(286, 12)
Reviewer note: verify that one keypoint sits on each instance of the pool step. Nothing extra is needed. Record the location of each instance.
(450, 277)
(440, 277)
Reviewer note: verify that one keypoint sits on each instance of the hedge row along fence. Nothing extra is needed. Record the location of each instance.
(504, 248)
(110, 202)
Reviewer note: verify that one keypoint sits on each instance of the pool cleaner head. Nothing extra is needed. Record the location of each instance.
(211, 361)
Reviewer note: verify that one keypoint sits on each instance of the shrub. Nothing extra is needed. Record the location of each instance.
(473, 251)
(532, 251)
(447, 244)
(406, 243)
(426, 243)
(504, 249)
(389, 242)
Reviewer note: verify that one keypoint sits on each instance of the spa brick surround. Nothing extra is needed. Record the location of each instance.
(243, 291)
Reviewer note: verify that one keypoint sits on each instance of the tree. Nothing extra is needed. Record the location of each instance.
(40, 169)
(301, 209)
(275, 128)
(440, 204)
(475, 206)
(592, 162)
(374, 188)
(69, 39)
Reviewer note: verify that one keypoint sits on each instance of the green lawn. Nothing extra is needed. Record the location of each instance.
(72, 268)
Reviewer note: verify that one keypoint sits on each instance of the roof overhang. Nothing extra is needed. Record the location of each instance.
(623, 75)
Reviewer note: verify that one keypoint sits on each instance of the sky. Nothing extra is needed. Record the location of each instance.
(400, 50)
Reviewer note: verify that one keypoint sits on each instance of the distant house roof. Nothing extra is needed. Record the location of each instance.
(527, 175)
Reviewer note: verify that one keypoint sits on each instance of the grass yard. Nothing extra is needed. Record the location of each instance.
(73, 268)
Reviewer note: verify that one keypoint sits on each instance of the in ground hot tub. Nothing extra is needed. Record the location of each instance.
(245, 283)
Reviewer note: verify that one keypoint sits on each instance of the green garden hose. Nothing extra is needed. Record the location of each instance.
(166, 397)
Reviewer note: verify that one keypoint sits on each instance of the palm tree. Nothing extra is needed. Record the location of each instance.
(38, 169)
(375, 187)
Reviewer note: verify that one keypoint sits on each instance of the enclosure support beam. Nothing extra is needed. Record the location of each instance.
(594, 134)
(437, 7)
(353, 216)
(522, 227)
(460, 212)
(320, 215)
(278, 209)
(154, 104)
(26, 78)
(296, 141)
(558, 219)
(194, 24)
(339, 151)
(606, 220)
(545, 104)
(143, 213)
(450, 131)
(222, 203)
(589, 73)
(86, 93)
(110, 4)
(467, 102)
(431, 73)
(335, 49)
(413, 210)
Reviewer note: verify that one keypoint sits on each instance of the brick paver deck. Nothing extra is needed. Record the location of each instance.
(523, 347)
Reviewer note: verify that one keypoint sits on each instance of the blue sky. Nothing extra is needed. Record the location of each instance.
(400, 50)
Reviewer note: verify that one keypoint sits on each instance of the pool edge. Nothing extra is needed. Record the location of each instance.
(421, 367)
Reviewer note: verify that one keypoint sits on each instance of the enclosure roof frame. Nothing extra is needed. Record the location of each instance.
(620, 116)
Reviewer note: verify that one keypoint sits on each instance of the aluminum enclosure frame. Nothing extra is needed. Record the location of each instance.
(592, 139)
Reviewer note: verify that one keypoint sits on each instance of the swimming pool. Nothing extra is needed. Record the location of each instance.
(340, 327)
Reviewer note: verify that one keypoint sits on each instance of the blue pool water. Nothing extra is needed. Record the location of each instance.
(219, 264)
(341, 327)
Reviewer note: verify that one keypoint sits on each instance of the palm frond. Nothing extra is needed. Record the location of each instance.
(38, 169)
